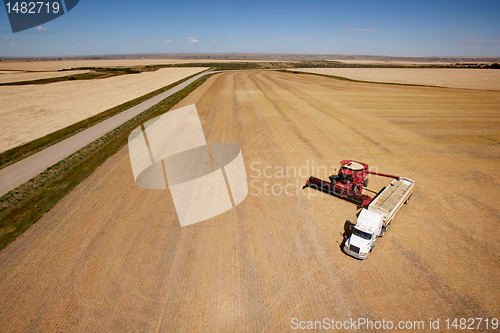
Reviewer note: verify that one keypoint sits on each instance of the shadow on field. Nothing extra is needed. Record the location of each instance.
(347, 233)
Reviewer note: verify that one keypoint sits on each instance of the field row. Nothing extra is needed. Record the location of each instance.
(484, 79)
(112, 256)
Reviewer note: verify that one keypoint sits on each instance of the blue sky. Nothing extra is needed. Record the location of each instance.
(397, 28)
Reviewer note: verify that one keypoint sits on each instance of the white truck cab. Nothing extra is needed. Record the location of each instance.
(374, 220)
(364, 234)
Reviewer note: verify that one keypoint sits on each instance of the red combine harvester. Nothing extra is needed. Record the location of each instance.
(348, 183)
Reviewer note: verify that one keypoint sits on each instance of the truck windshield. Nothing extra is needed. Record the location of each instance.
(362, 234)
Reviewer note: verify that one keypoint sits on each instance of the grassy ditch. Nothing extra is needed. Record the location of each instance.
(20, 152)
(23, 206)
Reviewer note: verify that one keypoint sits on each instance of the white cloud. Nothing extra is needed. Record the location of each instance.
(230, 36)
(40, 28)
(213, 42)
(192, 40)
(6, 38)
(360, 29)
(13, 43)
(159, 36)
(168, 41)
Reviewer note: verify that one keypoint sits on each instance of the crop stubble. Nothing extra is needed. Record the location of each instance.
(466, 78)
(67, 64)
(112, 257)
(33, 111)
(9, 77)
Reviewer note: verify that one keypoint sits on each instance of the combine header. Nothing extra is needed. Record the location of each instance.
(348, 183)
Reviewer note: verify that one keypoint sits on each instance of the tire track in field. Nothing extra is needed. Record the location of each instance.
(272, 98)
(298, 283)
(322, 107)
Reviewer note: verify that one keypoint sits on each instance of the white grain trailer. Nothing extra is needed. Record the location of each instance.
(374, 220)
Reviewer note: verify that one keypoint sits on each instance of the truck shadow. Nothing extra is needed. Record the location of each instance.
(347, 233)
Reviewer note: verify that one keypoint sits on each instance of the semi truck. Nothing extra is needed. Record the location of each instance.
(375, 218)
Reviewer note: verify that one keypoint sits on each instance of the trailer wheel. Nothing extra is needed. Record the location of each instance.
(408, 199)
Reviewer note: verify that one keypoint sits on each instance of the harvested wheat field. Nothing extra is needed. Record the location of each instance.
(30, 112)
(416, 62)
(7, 77)
(68, 64)
(112, 257)
(470, 78)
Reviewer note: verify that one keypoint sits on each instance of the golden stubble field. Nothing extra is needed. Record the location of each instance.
(466, 78)
(68, 64)
(112, 257)
(30, 112)
(13, 76)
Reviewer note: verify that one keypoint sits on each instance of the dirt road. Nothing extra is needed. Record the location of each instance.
(112, 256)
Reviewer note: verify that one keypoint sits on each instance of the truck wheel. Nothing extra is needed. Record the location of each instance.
(333, 180)
(373, 247)
(382, 232)
(365, 183)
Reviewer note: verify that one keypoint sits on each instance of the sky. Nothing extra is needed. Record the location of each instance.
(383, 27)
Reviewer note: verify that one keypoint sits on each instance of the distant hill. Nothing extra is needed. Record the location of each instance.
(261, 57)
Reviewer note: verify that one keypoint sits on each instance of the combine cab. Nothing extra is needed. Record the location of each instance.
(348, 183)
(351, 177)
